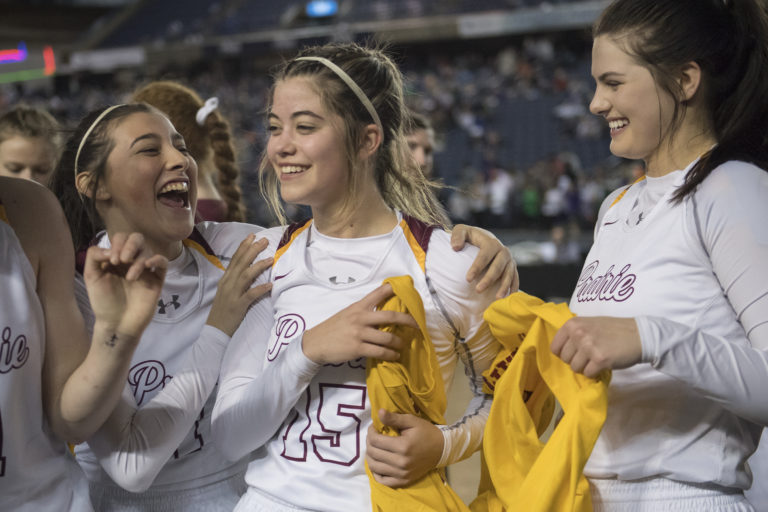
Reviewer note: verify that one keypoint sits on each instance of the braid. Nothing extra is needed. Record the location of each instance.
(181, 104)
(229, 171)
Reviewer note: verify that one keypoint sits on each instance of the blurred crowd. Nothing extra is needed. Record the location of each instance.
(473, 99)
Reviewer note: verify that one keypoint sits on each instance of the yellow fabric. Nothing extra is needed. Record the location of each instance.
(618, 198)
(411, 385)
(522, 472)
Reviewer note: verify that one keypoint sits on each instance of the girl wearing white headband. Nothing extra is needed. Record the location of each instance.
(126, 167)
(156, 451)
(336, 116)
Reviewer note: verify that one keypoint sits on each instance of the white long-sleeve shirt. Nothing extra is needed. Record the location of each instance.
(312, 420)
(159, 434)
(695, 278)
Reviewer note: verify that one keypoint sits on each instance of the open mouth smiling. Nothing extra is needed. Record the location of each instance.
(175, 194)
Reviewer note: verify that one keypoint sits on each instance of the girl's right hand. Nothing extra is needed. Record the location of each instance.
(354, 332)
(124, 283)
(235, 292)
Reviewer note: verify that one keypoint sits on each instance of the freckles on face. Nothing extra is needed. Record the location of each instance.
(635, 107)
(306, 148)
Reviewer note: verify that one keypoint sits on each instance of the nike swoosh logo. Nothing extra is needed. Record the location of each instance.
(282, 276)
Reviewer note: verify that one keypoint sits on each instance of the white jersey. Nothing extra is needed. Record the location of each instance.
(690, 411)
(315, 460)
(166, 443)
(36, 471)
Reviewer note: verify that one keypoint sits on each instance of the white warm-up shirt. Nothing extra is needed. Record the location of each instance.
(159, 435)
(312, 419)
(695, 277)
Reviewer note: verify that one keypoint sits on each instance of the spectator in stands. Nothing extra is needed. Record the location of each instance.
(421, 141)
(500, 187)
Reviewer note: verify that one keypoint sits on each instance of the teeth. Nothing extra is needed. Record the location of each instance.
(177, 186)
(620, 123)
(291, 169)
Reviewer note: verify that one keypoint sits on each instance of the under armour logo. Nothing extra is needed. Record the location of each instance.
(335, 280)
(162, 305)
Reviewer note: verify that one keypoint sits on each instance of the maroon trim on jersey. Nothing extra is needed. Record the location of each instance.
(422, 231)
(81, 252)
(290, 230)
(198, 238)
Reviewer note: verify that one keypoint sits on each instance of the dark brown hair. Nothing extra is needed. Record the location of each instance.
(80, 210)
(729, 41)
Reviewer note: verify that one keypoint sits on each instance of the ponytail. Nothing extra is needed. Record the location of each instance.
(728, 39)
(739, 96)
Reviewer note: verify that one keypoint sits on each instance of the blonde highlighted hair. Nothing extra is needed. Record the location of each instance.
(398, 177)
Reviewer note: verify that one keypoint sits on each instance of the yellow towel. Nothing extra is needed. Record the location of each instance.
(522, 472)
(411, 385)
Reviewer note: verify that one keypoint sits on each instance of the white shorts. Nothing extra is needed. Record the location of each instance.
(221, 496)
(655, 494)
(255, 501)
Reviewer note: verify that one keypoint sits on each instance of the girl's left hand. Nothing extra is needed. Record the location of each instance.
(593, 344)
(124, 283)
(402, 460)
(493, 258)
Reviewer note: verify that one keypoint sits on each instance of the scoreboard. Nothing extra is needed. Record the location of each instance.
(20, 63)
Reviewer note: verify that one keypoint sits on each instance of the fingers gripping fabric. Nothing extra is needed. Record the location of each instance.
(523, 473)
(411, 385)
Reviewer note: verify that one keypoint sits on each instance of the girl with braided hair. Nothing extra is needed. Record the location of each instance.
(337, 144)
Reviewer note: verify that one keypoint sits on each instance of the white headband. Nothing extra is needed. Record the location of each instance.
(203, 112)
(352, 85)
(90, 129)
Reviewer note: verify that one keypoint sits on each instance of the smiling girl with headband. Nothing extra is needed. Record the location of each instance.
(127, 166)
(336, 122)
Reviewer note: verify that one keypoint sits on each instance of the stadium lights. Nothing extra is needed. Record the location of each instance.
(321, 8)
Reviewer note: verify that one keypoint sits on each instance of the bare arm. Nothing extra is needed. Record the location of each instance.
(82, 385)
